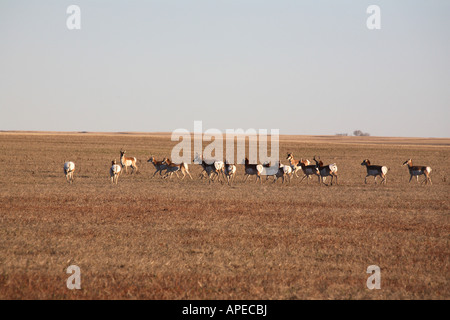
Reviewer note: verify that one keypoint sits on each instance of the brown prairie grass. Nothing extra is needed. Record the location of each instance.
(150, 238)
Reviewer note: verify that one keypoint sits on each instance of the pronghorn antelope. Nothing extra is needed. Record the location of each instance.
(172, 167)
(159, 165)
(325, 171)
(304, 165)
(253, 169)
(128, 162)
(308, 170)
(295, 164)
(69, 169)
(267, 165)
(230, 172)
(418, 171)
(375, 171)
(283, 172)
(217, 167)
(114, 172)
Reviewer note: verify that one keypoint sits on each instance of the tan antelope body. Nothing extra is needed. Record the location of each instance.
(375, 171)
(416, 171)
(114, 172)
(172, 167)
(295, 164)
(325, 171)
(69, 169)
(128, 162)
(159, 165)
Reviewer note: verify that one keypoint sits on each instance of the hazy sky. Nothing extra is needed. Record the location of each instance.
(304, 67)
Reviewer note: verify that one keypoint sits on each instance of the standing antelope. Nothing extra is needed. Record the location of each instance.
(253, 169)
(159, 165)
(114, 172)
(418, 171)
(128, 162)
(217, 167)
(69, 169)
(373, 170)
(325, 171)
(230, 172)
(172, 167)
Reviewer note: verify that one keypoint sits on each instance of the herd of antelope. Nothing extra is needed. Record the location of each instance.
(216, 169)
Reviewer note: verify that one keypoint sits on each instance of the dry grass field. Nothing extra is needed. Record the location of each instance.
(152, 238)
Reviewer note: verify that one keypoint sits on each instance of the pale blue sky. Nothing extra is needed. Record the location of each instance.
(304, 67)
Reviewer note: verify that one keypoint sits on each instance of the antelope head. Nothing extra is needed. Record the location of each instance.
(407, 162)
(318, 161)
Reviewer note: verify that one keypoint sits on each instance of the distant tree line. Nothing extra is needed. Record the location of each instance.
(356, 133)
(359, 133)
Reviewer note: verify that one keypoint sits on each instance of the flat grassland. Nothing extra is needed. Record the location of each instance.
(153, 238)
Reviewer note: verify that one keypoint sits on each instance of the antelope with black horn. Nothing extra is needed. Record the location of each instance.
(375, 171)
(325, 171)
(128, 162)
(416, 171)
(252, 170)
(173, 167)
(159, 165)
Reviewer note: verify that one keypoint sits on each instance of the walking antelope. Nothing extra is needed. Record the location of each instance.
(69, 169)
(375, 171)
(307, 168)
(215, 168)
(418, 171)
(230, 172)
(114, 172)
(159, 165)
(283, 172)
(304, 165)
(128, 162)
(325, 171)
(172, 167)
(295, 164)
(253, 169)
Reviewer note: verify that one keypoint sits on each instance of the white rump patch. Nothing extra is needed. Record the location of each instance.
(218, 165)
(333, 167)
(116, 168)
(287, 169)
(231, 169)
(69, 166)
(259, 168)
